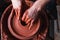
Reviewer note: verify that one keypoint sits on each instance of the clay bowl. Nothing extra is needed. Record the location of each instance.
(18, 30)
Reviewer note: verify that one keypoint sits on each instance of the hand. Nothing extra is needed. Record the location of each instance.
(29, 17)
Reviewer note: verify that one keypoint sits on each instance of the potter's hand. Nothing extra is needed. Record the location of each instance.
(17, 7)
(31, 13)
(29, 17)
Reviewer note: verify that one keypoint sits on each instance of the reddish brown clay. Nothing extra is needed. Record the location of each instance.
(15, 26)
(20, 29)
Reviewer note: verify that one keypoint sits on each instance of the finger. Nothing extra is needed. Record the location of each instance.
(28, 25)
(16, 12)
(24, 16)
(28, 20)
(31, 24)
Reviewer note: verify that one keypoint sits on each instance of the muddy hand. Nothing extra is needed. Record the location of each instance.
(27, 19)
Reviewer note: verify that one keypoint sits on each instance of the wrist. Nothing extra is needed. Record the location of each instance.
(16, 4)
(39, 4)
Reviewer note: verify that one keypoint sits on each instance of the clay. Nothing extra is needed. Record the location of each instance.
(20, 29)
(17, 27)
